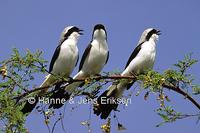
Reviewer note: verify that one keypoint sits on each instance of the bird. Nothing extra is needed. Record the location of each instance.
(63, 62)
(141, 60)
(94, 58)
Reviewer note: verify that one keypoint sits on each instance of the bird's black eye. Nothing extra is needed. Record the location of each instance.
(153, 31)
(74, 29)
(99, 26)
(70, 31)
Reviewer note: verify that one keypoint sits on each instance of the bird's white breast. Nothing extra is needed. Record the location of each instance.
(67, 58)
(97, 57)
(144, 59)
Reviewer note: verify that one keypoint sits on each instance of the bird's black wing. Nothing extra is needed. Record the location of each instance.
(107, 57)
(85, 54)
(77, 60)
(134, 54)
(54, 58)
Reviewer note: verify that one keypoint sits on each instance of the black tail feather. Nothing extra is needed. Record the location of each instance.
(104, 106)
(28, 107)
(59, 94)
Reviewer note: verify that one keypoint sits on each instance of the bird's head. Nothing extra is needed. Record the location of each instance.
(99, 32)
(150, 33)
(71, 32)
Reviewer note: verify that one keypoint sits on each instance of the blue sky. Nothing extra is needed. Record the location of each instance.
(38, 24)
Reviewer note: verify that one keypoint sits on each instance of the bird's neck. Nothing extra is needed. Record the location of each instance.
(101, 43)
(150, 45)
(74, 38)
(153, 40)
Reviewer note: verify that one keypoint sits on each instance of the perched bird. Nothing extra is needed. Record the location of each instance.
(141, 60)
(62, 63)
(93, 60)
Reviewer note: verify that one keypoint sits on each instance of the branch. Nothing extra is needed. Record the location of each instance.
(16, 83)
(180, 91)
(32, 91)
(115, 77)
(70, 81)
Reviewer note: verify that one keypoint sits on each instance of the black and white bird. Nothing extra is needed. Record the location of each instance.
(62, 63)
(93, 60)
(141, 60)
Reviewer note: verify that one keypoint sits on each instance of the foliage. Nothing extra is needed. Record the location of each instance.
(176, 79)
(19, 71)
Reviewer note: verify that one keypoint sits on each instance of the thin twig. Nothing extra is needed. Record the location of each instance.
(54, 125)
(16, 83)
(46, 120)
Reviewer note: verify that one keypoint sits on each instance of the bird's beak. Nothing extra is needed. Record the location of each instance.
(80, 32)
(158, 32)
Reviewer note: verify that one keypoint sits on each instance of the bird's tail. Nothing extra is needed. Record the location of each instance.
(104, 109)
(108, 100)
(49, 80)
(65, 92)
(30, 104)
